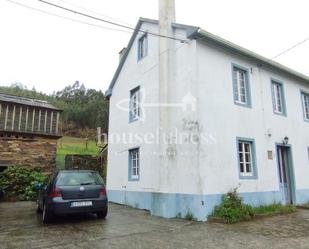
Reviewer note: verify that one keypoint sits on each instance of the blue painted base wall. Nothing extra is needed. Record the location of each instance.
(171, 205)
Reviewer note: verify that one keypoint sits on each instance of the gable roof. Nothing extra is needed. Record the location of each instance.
(26, 101)
(194, 32)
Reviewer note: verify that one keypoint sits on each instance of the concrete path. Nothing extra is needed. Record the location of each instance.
(21, 227)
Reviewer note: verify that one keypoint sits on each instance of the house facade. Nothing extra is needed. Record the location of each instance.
(194, 117)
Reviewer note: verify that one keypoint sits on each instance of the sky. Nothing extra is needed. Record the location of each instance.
(49, 52)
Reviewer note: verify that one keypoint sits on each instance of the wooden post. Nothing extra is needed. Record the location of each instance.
(13, 117)
(86, 143)
(57, 122)
(33, 115)
(51, 122)
(6, 116)
(39, 124)
(45, 121)
(27, 114)
(20, 115)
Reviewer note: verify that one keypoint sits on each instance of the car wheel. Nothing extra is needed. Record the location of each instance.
(47, 215)
(102, 214)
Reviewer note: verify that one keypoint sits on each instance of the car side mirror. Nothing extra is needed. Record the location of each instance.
(39, 186)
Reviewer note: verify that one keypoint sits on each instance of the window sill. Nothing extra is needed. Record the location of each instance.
(242, 104)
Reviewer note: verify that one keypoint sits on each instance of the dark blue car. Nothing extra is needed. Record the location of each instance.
(73, 191)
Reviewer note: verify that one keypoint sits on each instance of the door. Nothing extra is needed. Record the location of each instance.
(285, 173)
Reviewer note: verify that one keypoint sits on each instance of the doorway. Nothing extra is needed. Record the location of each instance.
(286, 175)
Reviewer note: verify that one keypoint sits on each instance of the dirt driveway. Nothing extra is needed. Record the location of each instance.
(21, 227)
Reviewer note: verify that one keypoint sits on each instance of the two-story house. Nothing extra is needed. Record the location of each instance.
(193, 116)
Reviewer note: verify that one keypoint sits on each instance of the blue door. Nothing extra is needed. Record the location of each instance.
(285, 174)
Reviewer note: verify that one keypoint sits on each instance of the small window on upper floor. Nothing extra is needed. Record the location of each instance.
(305, 102)
(241, 86)
(135, 110)
(278, 98)
(142, 46)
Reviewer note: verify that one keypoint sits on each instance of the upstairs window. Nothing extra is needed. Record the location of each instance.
(142, 46)
(278, 98)
(305, 102)
(241, 86)
(135, 111)
(246, 158)
(134, 164)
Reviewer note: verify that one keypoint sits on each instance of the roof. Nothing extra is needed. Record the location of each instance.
(194, 32)
(26, 101)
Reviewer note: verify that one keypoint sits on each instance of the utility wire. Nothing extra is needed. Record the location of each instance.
(107, 21)
(94, 12)
(68, 18)
(290, 48)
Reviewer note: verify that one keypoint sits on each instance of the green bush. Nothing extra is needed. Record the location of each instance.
(18, 183)
(189, 216)
(232, 208)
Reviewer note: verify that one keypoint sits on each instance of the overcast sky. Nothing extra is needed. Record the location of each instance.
(48, 52)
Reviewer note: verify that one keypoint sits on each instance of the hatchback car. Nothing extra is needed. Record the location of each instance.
(73, 191)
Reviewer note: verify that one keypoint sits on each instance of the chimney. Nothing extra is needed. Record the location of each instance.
(121, 53)
(166, 58)
(166, 83)
(166, 16)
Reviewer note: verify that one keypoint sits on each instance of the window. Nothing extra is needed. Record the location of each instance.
(134, 164)
(246, 158)
(278, 98)
(241, 86)
(135, 110)
(305, 102)
(142, 46)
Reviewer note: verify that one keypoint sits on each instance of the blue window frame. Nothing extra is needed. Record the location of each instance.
(305, 104)
(134, 109)
(246, 158)
(142, 50)
(278, 98)
(134, 165)
(241, 86)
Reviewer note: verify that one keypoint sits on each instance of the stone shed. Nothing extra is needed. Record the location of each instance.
(29, 130)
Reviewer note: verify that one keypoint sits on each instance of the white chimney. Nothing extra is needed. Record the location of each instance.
(166, 48)
(166, 81)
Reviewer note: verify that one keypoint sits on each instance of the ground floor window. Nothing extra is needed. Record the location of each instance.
(134, 165)
(246, 158)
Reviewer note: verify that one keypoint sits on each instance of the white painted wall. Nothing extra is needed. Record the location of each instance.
(205, 71)
(226, 121)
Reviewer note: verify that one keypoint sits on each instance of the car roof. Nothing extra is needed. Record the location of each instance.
(76, 170)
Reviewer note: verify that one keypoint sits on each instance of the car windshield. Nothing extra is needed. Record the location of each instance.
(79, 178)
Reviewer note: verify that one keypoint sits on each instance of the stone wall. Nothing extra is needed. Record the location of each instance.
(86, 162)
(29, 152)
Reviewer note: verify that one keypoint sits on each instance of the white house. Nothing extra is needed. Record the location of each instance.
(193, 116)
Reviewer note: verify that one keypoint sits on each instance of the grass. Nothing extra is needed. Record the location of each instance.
(73, 145)
(275, 208)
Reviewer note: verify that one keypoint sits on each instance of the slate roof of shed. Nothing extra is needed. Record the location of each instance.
(26, 101)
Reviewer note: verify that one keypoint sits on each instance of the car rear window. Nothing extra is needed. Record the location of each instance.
(79, 178)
